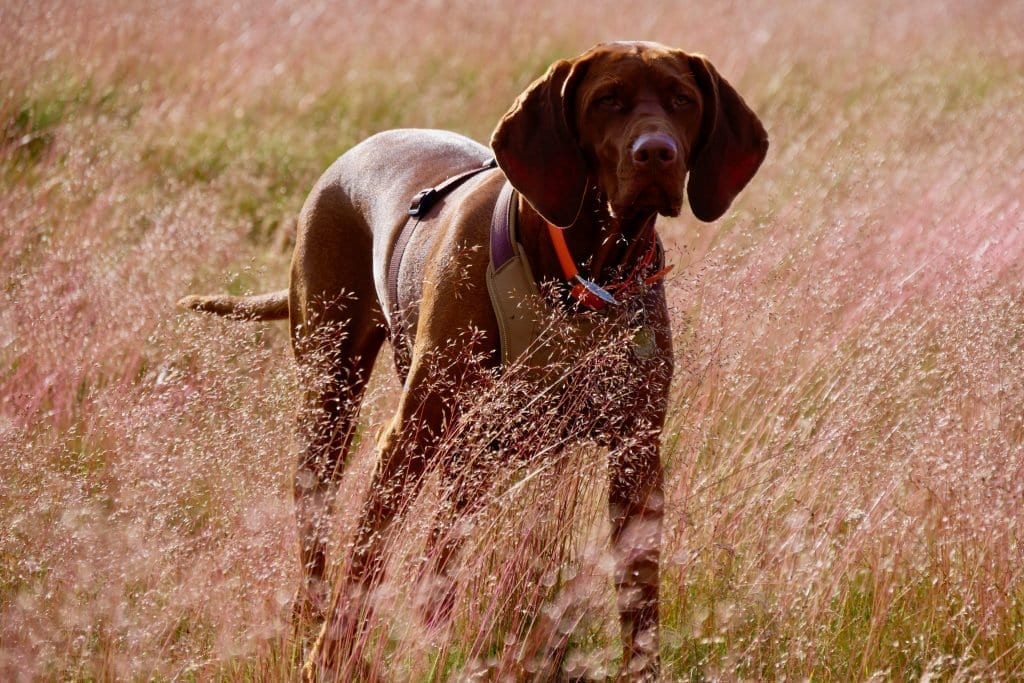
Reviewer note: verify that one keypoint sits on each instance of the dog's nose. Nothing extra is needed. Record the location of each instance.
(653, 150)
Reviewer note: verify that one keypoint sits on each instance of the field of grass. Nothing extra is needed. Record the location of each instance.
(845, 452)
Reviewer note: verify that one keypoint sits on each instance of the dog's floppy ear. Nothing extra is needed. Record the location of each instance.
(731, 146)
(536, 145)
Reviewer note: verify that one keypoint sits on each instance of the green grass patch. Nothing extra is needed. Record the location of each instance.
(30, 123)
(263, 162)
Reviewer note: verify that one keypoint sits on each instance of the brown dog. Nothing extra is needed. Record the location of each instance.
(599, 145)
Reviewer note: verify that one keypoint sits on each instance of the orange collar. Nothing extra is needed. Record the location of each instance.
(592, 295)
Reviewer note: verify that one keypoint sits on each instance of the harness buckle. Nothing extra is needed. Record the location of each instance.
(422, 201)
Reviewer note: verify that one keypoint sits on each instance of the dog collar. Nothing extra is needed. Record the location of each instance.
(586, 293)
(592, 295)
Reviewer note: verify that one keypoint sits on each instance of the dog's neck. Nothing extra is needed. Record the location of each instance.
(602, 245)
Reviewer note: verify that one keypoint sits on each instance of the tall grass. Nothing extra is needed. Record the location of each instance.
(845, 450)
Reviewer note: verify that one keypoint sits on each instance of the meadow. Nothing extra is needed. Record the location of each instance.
(844, 455)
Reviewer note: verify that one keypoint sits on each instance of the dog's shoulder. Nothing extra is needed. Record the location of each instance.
(455, 298)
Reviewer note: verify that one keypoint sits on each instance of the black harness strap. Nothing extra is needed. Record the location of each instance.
(422, 202)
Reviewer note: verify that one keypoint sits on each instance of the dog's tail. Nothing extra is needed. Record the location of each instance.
(271, 306)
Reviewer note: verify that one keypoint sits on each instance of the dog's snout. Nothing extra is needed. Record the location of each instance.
(654, 150)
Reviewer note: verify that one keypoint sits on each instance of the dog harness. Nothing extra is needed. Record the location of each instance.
(513, 290)
(515, 298)
(517, 302)
(422, 202)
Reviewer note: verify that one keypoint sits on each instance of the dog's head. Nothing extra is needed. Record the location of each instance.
(635, 119)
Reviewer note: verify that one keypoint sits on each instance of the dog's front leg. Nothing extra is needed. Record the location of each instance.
(465, 479)
(406, 447)
(635, 504)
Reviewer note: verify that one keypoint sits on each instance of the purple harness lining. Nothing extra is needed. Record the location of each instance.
(501, 239)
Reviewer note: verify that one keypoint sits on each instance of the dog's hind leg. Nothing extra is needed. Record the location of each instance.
(335, 360)
(337, 330)
(336, 366)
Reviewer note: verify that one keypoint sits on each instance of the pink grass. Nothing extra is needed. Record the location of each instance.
(844, 457)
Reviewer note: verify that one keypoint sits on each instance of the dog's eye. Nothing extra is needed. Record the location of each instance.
(610, 102)
(680, 100)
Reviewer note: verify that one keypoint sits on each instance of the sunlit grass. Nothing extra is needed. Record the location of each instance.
(844, 455)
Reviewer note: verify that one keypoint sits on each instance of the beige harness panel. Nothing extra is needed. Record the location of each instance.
(515, 298)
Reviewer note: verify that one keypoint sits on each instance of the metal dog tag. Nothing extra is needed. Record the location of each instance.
(643, 343)
(597, 290)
